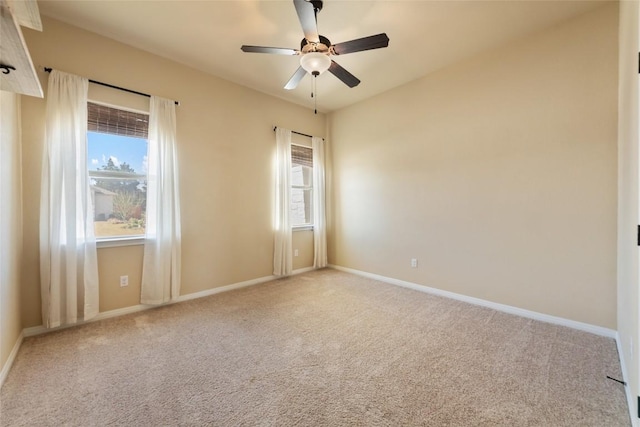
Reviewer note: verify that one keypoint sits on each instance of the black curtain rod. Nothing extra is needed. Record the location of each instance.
(49, 69)
(297, 133)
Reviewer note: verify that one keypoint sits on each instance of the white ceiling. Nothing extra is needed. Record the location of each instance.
(207, 35)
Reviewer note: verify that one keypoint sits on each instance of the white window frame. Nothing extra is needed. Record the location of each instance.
(308, 226)
(117, 241)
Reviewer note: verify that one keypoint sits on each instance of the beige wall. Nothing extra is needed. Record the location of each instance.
(628, 190)
(10, 224)
(302, 241)
(226, 149)
(116, 262)
(498, 174)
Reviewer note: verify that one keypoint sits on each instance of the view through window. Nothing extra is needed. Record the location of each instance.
(301, 185)
(117, 162)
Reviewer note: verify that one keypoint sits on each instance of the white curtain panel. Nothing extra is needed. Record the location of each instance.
(282, 252)
(162, 247)
(319, 214)
(68, 257)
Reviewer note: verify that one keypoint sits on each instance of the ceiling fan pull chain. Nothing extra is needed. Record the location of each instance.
(314, 94)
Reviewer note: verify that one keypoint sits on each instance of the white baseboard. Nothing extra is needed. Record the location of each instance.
(625, 378)
(304, 270)
(586, 327)
(238, 285)
(12, 356)
(226, 288)
(37, 330)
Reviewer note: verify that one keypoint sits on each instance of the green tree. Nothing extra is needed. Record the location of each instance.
(114, 184)
(126, 205)
(130, 193)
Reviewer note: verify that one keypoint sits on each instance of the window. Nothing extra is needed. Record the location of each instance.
(301, 186)
(117, 162)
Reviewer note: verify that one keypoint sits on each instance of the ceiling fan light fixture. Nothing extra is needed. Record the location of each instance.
(315, 63)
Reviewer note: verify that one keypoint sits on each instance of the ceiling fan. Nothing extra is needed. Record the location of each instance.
(315, 49)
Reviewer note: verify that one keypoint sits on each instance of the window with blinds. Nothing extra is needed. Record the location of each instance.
(117, 163)
(301, 186)
(302, 156)
(104, 119)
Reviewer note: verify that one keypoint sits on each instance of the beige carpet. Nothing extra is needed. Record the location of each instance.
(320, 349)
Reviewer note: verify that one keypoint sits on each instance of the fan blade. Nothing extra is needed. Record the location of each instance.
(307, 17)
(358, 45)
(346, 77)
(295, 79)
(274, 50)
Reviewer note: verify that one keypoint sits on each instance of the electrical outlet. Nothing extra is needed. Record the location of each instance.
(414, 263)
(295, 252)
(124, 281)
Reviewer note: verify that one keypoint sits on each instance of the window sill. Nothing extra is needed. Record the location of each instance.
(301, 228)
(120, 241)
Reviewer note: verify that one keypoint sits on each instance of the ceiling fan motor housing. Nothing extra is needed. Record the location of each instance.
(323, 46)
(317, 5)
